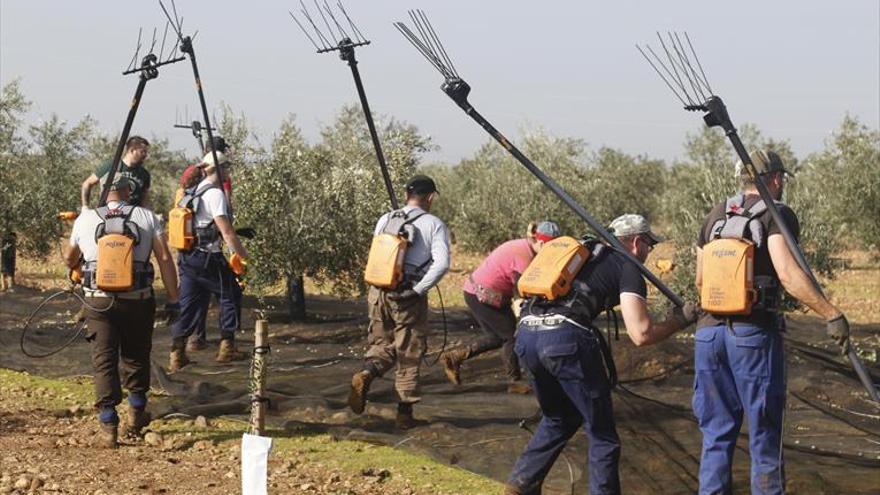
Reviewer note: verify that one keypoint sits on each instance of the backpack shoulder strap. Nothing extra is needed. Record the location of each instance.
(739, 223)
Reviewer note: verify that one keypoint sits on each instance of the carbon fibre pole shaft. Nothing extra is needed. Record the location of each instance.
(347, 54)
(126, 130)
(718, 109)
(186, 46)
(457, 90)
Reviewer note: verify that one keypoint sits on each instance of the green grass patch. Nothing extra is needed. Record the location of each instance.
(23, 390)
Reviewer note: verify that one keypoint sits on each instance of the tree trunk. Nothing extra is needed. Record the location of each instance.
(296, 299)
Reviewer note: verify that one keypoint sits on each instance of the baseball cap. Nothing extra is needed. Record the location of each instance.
(547, 231)
(765, 162)
(421, 184)
(632, 224)
(219, 144)
(208, 160)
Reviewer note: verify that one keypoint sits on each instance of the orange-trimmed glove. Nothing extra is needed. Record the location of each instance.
(237, 264)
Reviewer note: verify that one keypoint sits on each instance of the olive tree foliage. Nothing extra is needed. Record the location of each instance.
(708, 175)
(847, 175)
(40, 171)
(491, 198)
(315, 206)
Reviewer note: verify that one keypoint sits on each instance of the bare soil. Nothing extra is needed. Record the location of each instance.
(832, 430)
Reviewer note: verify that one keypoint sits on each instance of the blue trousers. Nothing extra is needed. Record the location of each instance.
(569, 378)
(740, 370)
(202, 274)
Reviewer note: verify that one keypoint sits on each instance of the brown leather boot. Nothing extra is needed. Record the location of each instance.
(405, 419)
(229, 353)
(195, 346)
(138, 419)
(360, 386)
(178, 358)
(107, 436)
(452, 364)
(519, 387)
(509, 490)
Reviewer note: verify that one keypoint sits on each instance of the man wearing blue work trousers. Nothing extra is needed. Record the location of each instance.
(739, 360)
(564, 353)
(205, 271)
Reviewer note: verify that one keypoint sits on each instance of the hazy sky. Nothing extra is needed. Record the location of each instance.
(793, 67)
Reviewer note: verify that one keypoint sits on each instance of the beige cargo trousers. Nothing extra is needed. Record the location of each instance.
(398, 335)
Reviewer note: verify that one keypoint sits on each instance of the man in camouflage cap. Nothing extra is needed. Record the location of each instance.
(559, 344)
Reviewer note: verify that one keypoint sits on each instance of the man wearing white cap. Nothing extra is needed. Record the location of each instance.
(564, 352)
(205, 271)
(488, 292)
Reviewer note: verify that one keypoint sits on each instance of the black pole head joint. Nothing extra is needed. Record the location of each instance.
(148, 67)
(346, 50)
(716, 114)
(458, 90)
(186, 45)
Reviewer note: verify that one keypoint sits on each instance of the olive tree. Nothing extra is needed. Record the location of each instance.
(315, 206)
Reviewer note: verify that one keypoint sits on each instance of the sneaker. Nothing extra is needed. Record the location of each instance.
(360, 385)
(229, 353)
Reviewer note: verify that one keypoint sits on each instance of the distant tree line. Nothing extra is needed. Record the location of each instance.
(314, 204)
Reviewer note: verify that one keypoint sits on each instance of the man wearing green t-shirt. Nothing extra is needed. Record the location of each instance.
(136, 151)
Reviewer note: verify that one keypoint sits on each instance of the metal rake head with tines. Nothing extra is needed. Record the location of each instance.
(424, 38)
(151, 61)
(176, 22)
(333, 35)
(681, 70)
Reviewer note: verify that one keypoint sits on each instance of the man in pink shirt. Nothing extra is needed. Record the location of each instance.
(488, 292)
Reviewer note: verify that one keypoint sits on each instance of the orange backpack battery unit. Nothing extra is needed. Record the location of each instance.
(116, 237)
(181, 219)
(728, 281)
(388, 250)
(552, 270)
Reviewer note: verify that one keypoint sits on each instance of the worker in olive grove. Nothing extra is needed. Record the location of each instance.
(204, 269)
(136, 151)
(564, 352)
(739, 356)
(120, 322)
(8, 248)
(488, 293)
(398, 318)
(191, 176)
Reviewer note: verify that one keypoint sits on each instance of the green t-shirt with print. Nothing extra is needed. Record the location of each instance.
(138, 176)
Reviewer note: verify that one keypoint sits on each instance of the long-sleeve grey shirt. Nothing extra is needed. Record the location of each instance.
(428, 254)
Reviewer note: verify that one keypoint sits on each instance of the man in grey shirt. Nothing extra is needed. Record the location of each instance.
(398, 318)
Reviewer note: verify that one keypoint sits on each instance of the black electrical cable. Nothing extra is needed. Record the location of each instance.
(522, 424)
(82, 324)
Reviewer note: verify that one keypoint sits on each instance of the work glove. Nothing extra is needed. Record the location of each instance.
(404, 295)
(171, 312)
(838, 329)
(75, 276)
(237, 264)
(684, 315)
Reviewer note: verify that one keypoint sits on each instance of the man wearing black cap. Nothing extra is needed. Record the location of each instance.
(398, 318)
(739, 359)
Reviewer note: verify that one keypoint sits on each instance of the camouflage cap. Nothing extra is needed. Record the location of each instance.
(765, 162)
(632, 224)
